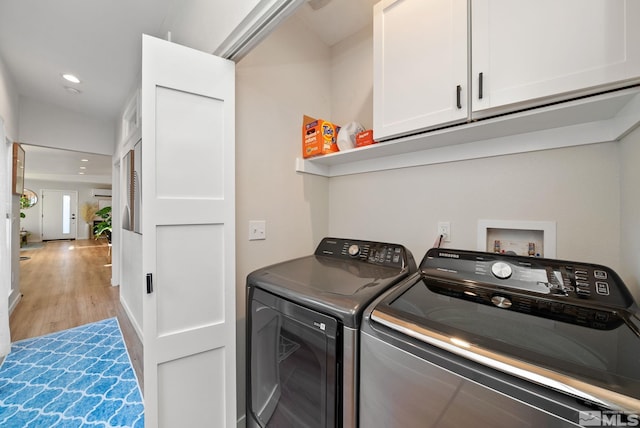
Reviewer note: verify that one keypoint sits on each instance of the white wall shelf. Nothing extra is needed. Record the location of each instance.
(595, 119)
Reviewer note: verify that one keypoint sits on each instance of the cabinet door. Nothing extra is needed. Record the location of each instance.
(420, 65)
(535, 52)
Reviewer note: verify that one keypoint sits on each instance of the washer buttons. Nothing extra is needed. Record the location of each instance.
(602, 288)
(600, 274)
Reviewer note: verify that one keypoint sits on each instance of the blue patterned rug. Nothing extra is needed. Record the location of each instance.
(81, 377)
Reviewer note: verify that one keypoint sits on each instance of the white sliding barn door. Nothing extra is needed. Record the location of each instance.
(188, 236)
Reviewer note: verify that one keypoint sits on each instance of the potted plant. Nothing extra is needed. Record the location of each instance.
(88, 212)
(24, 203)
(104, 227)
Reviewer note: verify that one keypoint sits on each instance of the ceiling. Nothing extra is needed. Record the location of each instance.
(336, 19)
(43, 163)
(100, 42)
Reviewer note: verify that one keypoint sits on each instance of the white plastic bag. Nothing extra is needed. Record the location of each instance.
(347, 135)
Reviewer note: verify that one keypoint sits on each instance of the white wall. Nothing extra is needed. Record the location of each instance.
(279, 81)
(9, 102)
(126, 245)
(132, 278)
(49, 125)
(352, 79)
(9, 108)
(578, 188)
(630, 211)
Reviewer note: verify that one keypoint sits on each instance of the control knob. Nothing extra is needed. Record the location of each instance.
(501, 270)
(501, 302)
(354, 250)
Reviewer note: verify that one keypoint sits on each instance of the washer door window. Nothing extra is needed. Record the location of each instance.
(293, 364)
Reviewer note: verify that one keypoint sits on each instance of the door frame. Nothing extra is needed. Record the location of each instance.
(9, 257)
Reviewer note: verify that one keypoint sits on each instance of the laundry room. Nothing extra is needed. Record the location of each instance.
(585, 188)
(351, 289)
(580, 183)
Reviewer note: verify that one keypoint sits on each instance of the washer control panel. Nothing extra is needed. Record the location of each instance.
(378, 253)
(557, 280)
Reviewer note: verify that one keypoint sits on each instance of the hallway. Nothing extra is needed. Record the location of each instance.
(66, 284)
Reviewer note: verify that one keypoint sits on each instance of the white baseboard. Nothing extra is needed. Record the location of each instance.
(15, 302)
(134, 323)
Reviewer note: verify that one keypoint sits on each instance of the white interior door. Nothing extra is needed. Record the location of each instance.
(188, 236)
(59, 209)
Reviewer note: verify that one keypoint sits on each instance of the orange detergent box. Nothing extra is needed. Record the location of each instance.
(364, 138)
(318, 137)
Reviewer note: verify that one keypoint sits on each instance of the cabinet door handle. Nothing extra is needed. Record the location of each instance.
(458, 95)
(480, 85)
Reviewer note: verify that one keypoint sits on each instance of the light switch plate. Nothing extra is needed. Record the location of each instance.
(257, 230)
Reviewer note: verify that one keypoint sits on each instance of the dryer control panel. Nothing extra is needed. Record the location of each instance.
(557, 280)
(378, 253)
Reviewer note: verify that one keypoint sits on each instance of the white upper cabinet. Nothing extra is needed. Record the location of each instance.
(554, 74)
(523, 54)
(529, 53)
(420, 65)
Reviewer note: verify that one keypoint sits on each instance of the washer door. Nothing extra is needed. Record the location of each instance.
(293, 367)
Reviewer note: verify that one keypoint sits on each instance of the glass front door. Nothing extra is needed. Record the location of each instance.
(293, 370)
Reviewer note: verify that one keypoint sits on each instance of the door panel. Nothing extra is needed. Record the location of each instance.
(197, 279)
(527, 51)
(188, 236)
(59, 209)
(205, 398)
(420, 60)
(202, 175)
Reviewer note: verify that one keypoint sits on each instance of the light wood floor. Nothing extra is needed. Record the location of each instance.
(66, 284)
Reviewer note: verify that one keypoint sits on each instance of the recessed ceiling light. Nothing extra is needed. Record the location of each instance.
(81, 173)
(84, 160)
(83, 167)
(73, 90)
(71, 78)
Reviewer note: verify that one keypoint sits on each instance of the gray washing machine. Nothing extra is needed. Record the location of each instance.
(489, 340)
(303, 320)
